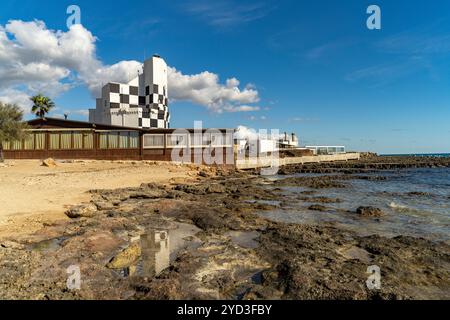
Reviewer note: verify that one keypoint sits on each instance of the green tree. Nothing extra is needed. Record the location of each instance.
(41, 105)
(11, 125)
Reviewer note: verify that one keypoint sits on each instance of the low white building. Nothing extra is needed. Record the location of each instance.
(141, 103)
(288, 141)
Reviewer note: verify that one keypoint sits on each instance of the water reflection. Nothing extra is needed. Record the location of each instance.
(155, 249)
(154, 255)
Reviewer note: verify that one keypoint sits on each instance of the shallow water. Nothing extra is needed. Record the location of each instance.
(415, 202)
(159, 248)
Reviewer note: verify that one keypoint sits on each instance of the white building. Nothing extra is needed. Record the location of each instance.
(141, 103)
(288, 141)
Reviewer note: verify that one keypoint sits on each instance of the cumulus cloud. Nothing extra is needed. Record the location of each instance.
(36, 59)
(246, 133)
(204, 89)
(16, 97)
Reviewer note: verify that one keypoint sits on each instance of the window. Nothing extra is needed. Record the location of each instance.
(154, 141)
(88, 139)
(196, 139)
(66, 140)
(103, 140)
(115, 88)
(134, 139)
(142, 101)
(6, 145)
(134, 91)
(217, 139)
(147, 90)
(113, 105)
(77, 140)
(124, 98)
(28, 143)
(229, 139)
(40, 141)
(54, 141)
(155, 88)
(176, 140)
(16, 145)
(113, 141)
(123, 140)
(206, 139)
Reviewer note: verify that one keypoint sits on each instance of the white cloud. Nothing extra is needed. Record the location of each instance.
(204, 89)
(36, 59)
(16, 97)
(245, 133)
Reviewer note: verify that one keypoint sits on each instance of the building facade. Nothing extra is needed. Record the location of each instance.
(141, 103)
(69, 139)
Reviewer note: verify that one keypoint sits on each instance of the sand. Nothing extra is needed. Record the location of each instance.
(32, 195)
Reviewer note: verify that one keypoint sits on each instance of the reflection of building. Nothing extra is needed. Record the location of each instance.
(140, 103)
(155, 252)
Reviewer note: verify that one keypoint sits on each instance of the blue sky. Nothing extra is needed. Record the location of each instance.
(316, 67)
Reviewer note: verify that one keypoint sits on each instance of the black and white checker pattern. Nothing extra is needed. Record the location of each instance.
(156, 114)
(153, 109)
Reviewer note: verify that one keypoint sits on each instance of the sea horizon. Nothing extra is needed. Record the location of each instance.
(445, 155)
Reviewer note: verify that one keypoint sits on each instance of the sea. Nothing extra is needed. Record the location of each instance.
(435, 155)
(416, 202)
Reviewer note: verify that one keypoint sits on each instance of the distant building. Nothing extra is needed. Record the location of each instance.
(324, 150)
(288, 141)
(141, 103)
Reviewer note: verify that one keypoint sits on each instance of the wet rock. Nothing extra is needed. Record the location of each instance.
(420, 194)
(317, 207)
(83, 210)
(321, 182)
(369, 212)
(321, 199)
(308, 192)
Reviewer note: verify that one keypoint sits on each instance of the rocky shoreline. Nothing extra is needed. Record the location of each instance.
(220, 247)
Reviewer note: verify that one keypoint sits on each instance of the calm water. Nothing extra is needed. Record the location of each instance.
(434, 155)
(425, 215)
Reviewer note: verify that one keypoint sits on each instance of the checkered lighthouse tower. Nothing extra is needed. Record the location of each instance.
(142, 102)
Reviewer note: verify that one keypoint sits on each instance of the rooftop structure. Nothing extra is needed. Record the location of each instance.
(288, 141)
(141, 103)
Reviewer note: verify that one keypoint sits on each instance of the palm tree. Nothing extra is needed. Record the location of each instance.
(41, 105)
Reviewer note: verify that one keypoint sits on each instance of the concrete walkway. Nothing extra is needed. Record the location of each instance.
(252, 163)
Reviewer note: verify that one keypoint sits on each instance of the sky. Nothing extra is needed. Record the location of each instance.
(311, 67)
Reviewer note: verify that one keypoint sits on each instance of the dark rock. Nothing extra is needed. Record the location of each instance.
(216, 188)
(317, 207)
(369, 212)
(203, 174)
(321, 199)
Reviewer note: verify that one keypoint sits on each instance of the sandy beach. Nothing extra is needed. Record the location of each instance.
(32, 194)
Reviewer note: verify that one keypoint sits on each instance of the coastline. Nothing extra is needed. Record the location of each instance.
(221, 248)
